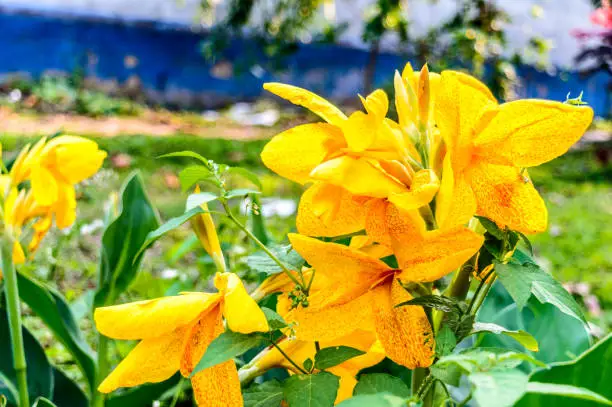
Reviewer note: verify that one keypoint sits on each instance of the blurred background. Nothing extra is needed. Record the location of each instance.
(148, 77)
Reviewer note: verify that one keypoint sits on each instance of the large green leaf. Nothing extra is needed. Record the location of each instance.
(122, 240)
(334, 355)
(67, 393)
(526, 278)
(498, 388)
(39, 371)
(522, 337)
(43, 402)
(374, 400)
(142, 396)
(559, 336)
(262, 263)
(266, 394)
(592, 371)
(311, 390)
(381, 383)
(55, 312)
(565, 390)
(226, 346)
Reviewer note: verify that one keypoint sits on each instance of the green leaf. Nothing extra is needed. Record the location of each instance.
(522, 280)
(592, 371)
(122, 240)
(565, 390)
(244, 173)
(54, 311)
(226, 346)
(189, 154)
(561, 337)
(522, 337)
(193, 174)
(143, 395)
(8, 390)
(240, 192)
(527, 242)
(311, 390)
(39, 371)
(266, 394)
(168, 226)
(67, 393)
(445, 341)
(195, 200)
(334, 355)
(498, 388)
(308, 365)
(374, 400)
(439, 302)
(262, 263)
(491, 227)
(275, 321)
(3, 401)
(43, 402)
(381, 383)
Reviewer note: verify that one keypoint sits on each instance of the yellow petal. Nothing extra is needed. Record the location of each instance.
(328, 323)
(360, 131)
(153, 360)
(309, 100)
(18, 254)
(386, 223)
(439, 253)
(455, 203)
(358, 176)
(377, 103)
(424, 187)
(44, 186)
(341, 273)
(404, 332)
(460, 102)
(527, 133)
(366, 244)
(404, 105)
(76, 158)
(241, 312)
(152, 318)
(294, 153)
(204, 228)
(218, 385)
(346, 385)
(65, 206)
(508, 197)
(328, 210)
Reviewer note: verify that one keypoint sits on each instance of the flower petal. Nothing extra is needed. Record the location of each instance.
(460, 102)
(152, 318)
(341, 273)
(65, 206)
(153, 360)
(241, 312)
(75, 158)
(526, 133)
(328, 210)
(455, 203)
(309, 100)
(377, 103)
(217, 385)
(44, 186)
(404, 332)
(328, 323)
(360, 176)
(439, 253)
(424, 187)
(508, 198)
(294, 153)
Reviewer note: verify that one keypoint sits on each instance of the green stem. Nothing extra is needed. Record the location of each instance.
(418, 376)
(102, 371)
(282, 352)
(262, 246)
(14, 314)
(177, 393)
(472, 308)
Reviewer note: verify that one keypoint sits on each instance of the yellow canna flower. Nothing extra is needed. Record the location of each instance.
(490, 145)
(351, 282)
(174, 333)
(205, 230)
(299, 351)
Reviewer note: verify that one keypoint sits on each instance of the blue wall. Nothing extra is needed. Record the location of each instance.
(170, 61)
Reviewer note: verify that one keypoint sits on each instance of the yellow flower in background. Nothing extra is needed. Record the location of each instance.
(204, 228)
(490, 146)
(350, 282)
(174, 333)
(53, 168)
(299, 351)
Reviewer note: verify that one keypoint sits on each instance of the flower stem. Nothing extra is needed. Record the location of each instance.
(14, 314)
(282, 352)
(102, 370)
(262, 246)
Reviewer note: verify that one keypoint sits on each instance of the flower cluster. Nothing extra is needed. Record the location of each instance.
(39, 188)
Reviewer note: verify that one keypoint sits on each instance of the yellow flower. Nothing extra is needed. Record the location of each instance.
(299, 351)
(174, 333)
(490, 145)
(205, 230)
(350, 282)
(53, 169)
